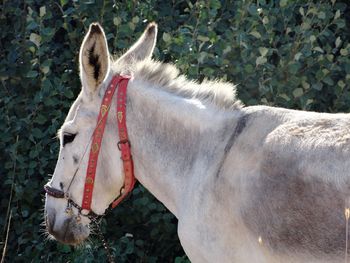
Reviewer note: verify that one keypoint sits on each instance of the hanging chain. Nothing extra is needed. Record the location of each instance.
(103, 240)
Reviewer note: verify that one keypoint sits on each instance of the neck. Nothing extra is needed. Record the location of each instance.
(170, 140)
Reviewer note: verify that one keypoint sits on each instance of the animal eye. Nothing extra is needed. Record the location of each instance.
(68, 138)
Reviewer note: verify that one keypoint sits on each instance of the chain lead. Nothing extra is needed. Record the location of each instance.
(104, 242)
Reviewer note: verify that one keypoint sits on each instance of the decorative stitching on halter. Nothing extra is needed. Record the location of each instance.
(123, 145)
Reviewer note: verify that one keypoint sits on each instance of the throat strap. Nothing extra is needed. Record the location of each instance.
(123, 144)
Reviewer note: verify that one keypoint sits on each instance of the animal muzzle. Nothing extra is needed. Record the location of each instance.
(66, 230)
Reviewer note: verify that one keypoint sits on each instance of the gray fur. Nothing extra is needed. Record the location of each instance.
(167, 76)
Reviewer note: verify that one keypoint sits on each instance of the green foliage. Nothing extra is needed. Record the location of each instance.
(293, 54)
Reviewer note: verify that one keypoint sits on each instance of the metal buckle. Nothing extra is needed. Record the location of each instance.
(123, 142)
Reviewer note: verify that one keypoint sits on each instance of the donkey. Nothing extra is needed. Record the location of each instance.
(247, 184)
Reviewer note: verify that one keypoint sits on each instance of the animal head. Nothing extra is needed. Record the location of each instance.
(75, 136)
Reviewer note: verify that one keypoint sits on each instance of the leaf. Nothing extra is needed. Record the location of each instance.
(226, 50)
(48, 31)
(337, 15)
(330, 57)
(321, 15)
(309, 101)
(35, 38)
(312, 38)
(166, 37)
(32, 25)
(340, 23)
(263, 51)
(260, 60)
(202, 56)
(135, 19)
(253, 11)
(42, 11)
(32, 74)
(255, 34)
(117, 21)
(328, 80)
(215, 4)
(298, 92)
(69, 94)
(264, 101)
(283, 3)
(294, 67)
(325, 71)
(248, 68)
(297, 56)
(203, 38)
(344, 52)
(305, 84)
(305, 25)
(40, 119)
(317, 86)
(341, 84)
(33, 153)
(338, 42)
(37, 133)
(265, 20)
(131, 26)
(63, 2)
(284, 96)
(45, 69)
(318, 49)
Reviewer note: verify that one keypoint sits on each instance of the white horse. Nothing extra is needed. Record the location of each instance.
(247, 184)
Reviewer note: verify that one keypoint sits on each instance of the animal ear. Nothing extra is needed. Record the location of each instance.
(93, 58)
(144, 46)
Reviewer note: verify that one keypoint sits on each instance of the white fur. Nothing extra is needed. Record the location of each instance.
(179, 131)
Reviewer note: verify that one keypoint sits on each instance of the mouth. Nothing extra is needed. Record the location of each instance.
(70, 232)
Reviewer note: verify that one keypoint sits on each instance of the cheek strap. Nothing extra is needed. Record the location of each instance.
(123, 144)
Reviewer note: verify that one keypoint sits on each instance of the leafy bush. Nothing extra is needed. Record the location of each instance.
(286, 53)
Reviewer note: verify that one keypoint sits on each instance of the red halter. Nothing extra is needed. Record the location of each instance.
(123, 144)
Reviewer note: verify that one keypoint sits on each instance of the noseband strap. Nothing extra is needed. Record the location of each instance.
(53, 191)
(123, 145)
